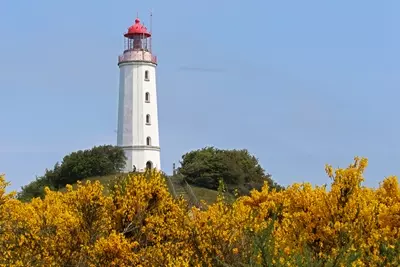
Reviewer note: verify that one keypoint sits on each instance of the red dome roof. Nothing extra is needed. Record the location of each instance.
(137, 29)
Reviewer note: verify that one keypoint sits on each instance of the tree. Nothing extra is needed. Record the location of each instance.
(97, 161)
(34, 189)
(237, 169)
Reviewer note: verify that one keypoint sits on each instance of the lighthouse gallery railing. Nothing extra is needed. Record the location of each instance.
(140, 55)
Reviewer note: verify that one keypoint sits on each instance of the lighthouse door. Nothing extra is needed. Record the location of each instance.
(149, 165)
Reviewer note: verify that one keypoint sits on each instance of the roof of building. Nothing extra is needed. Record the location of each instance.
(137, 29)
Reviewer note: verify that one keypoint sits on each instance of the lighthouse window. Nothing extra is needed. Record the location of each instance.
(147, 97)
(148, 141)
(148, 119)
(146, 75)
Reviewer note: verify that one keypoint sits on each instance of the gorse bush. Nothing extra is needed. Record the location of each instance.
(140, 224)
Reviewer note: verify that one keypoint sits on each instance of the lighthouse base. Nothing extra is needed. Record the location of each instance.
(140, 158)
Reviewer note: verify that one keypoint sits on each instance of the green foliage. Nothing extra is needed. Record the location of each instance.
(98, 161)
(237, 169)
(263, 244)
(390, 254)
(34, 189)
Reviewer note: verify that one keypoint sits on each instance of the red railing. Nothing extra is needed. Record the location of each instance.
(137, 56)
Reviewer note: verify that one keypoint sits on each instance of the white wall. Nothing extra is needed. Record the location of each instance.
(137, 157)
(132, 111)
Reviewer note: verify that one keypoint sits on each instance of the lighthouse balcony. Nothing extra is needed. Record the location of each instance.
(137, 55)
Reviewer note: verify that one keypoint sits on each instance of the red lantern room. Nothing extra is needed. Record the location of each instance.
(137, 44)
(137, 37)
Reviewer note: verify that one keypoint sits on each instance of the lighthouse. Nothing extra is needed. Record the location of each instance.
(138, 133)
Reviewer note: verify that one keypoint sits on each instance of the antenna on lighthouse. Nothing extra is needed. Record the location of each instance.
(151, 28)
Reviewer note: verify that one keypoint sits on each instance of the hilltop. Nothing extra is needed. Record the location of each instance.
(202, 174)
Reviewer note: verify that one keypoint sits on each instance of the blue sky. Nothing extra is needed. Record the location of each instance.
(298, 83)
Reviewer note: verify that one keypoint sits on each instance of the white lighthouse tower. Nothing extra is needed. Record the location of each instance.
(137, 111)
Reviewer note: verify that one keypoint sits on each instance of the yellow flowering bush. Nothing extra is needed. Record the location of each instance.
(140, 224)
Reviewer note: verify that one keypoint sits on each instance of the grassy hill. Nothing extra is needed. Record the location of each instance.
(193, 194)
(176, 186)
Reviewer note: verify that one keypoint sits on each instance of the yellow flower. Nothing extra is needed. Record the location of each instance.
(140, 224)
